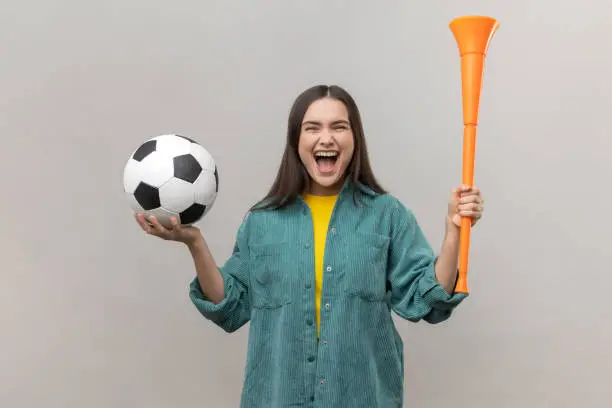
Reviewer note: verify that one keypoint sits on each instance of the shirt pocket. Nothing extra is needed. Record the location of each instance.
(366, 272)
(269, 275)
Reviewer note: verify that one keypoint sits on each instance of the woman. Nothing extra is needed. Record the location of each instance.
(319, 264)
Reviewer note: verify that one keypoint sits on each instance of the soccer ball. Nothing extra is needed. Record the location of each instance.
(171, 176)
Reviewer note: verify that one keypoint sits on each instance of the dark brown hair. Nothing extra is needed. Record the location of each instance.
(292, 178)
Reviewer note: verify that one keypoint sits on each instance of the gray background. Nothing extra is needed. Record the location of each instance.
(95, 314)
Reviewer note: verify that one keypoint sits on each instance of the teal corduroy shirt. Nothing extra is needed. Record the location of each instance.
(377, 260)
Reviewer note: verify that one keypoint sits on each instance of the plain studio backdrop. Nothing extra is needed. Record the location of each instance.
(93, 313)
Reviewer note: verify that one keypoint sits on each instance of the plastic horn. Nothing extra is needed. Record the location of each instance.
(473, 35)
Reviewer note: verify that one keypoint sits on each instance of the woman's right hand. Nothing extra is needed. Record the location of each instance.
(185, 234)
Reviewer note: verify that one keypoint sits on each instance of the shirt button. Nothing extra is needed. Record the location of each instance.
(333, 229)
(327, 305)
(324, 341)
(329, 268)
(322, 382)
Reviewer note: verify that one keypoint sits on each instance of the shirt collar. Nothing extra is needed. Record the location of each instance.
(349, 186)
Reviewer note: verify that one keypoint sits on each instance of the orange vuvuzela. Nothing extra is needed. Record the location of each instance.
(473, 35)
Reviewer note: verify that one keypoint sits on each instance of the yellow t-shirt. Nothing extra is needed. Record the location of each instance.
(321, 208)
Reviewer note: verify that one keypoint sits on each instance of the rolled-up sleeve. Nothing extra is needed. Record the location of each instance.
(234, 311)
(415, 292)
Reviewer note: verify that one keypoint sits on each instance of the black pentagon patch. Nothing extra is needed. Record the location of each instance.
(187, 168)
(216, 180)
(186, 138)
(144, 150)
(192, 214)
(147, 196)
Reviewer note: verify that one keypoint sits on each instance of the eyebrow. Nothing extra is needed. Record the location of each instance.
(335, 122)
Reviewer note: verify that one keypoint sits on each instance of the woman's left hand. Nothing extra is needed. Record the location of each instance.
(465, 201)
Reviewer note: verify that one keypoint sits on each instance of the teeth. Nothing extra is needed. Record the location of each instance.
(326, 154)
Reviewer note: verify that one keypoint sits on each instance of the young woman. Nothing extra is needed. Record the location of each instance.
(319, 264)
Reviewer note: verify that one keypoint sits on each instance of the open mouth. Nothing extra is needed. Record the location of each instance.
(326, 160)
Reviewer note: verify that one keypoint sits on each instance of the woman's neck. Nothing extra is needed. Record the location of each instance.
(322, 191)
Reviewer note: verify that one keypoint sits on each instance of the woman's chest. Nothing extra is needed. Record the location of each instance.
(284, 256)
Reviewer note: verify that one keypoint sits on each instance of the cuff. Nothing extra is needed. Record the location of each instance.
(434, 294)
(204, 304)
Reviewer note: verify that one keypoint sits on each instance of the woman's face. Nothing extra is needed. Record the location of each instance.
(326, 145)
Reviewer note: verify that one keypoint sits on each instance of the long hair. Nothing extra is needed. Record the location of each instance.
(292, 179)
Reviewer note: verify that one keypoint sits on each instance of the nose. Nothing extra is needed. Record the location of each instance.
(326, 138)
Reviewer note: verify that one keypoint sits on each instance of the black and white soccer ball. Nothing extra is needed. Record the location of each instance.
(171, 176)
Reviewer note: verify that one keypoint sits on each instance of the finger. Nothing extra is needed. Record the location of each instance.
(157, 227)
(176, 226)
(472, 208)
(469, 207)
(147, 221)
(143, 223)
(466, 206)
(470, 192)
(470, 213)
(138, 218)
(469, 199)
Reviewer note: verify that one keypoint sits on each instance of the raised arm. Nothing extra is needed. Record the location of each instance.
(221, 294)
(416, 293)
